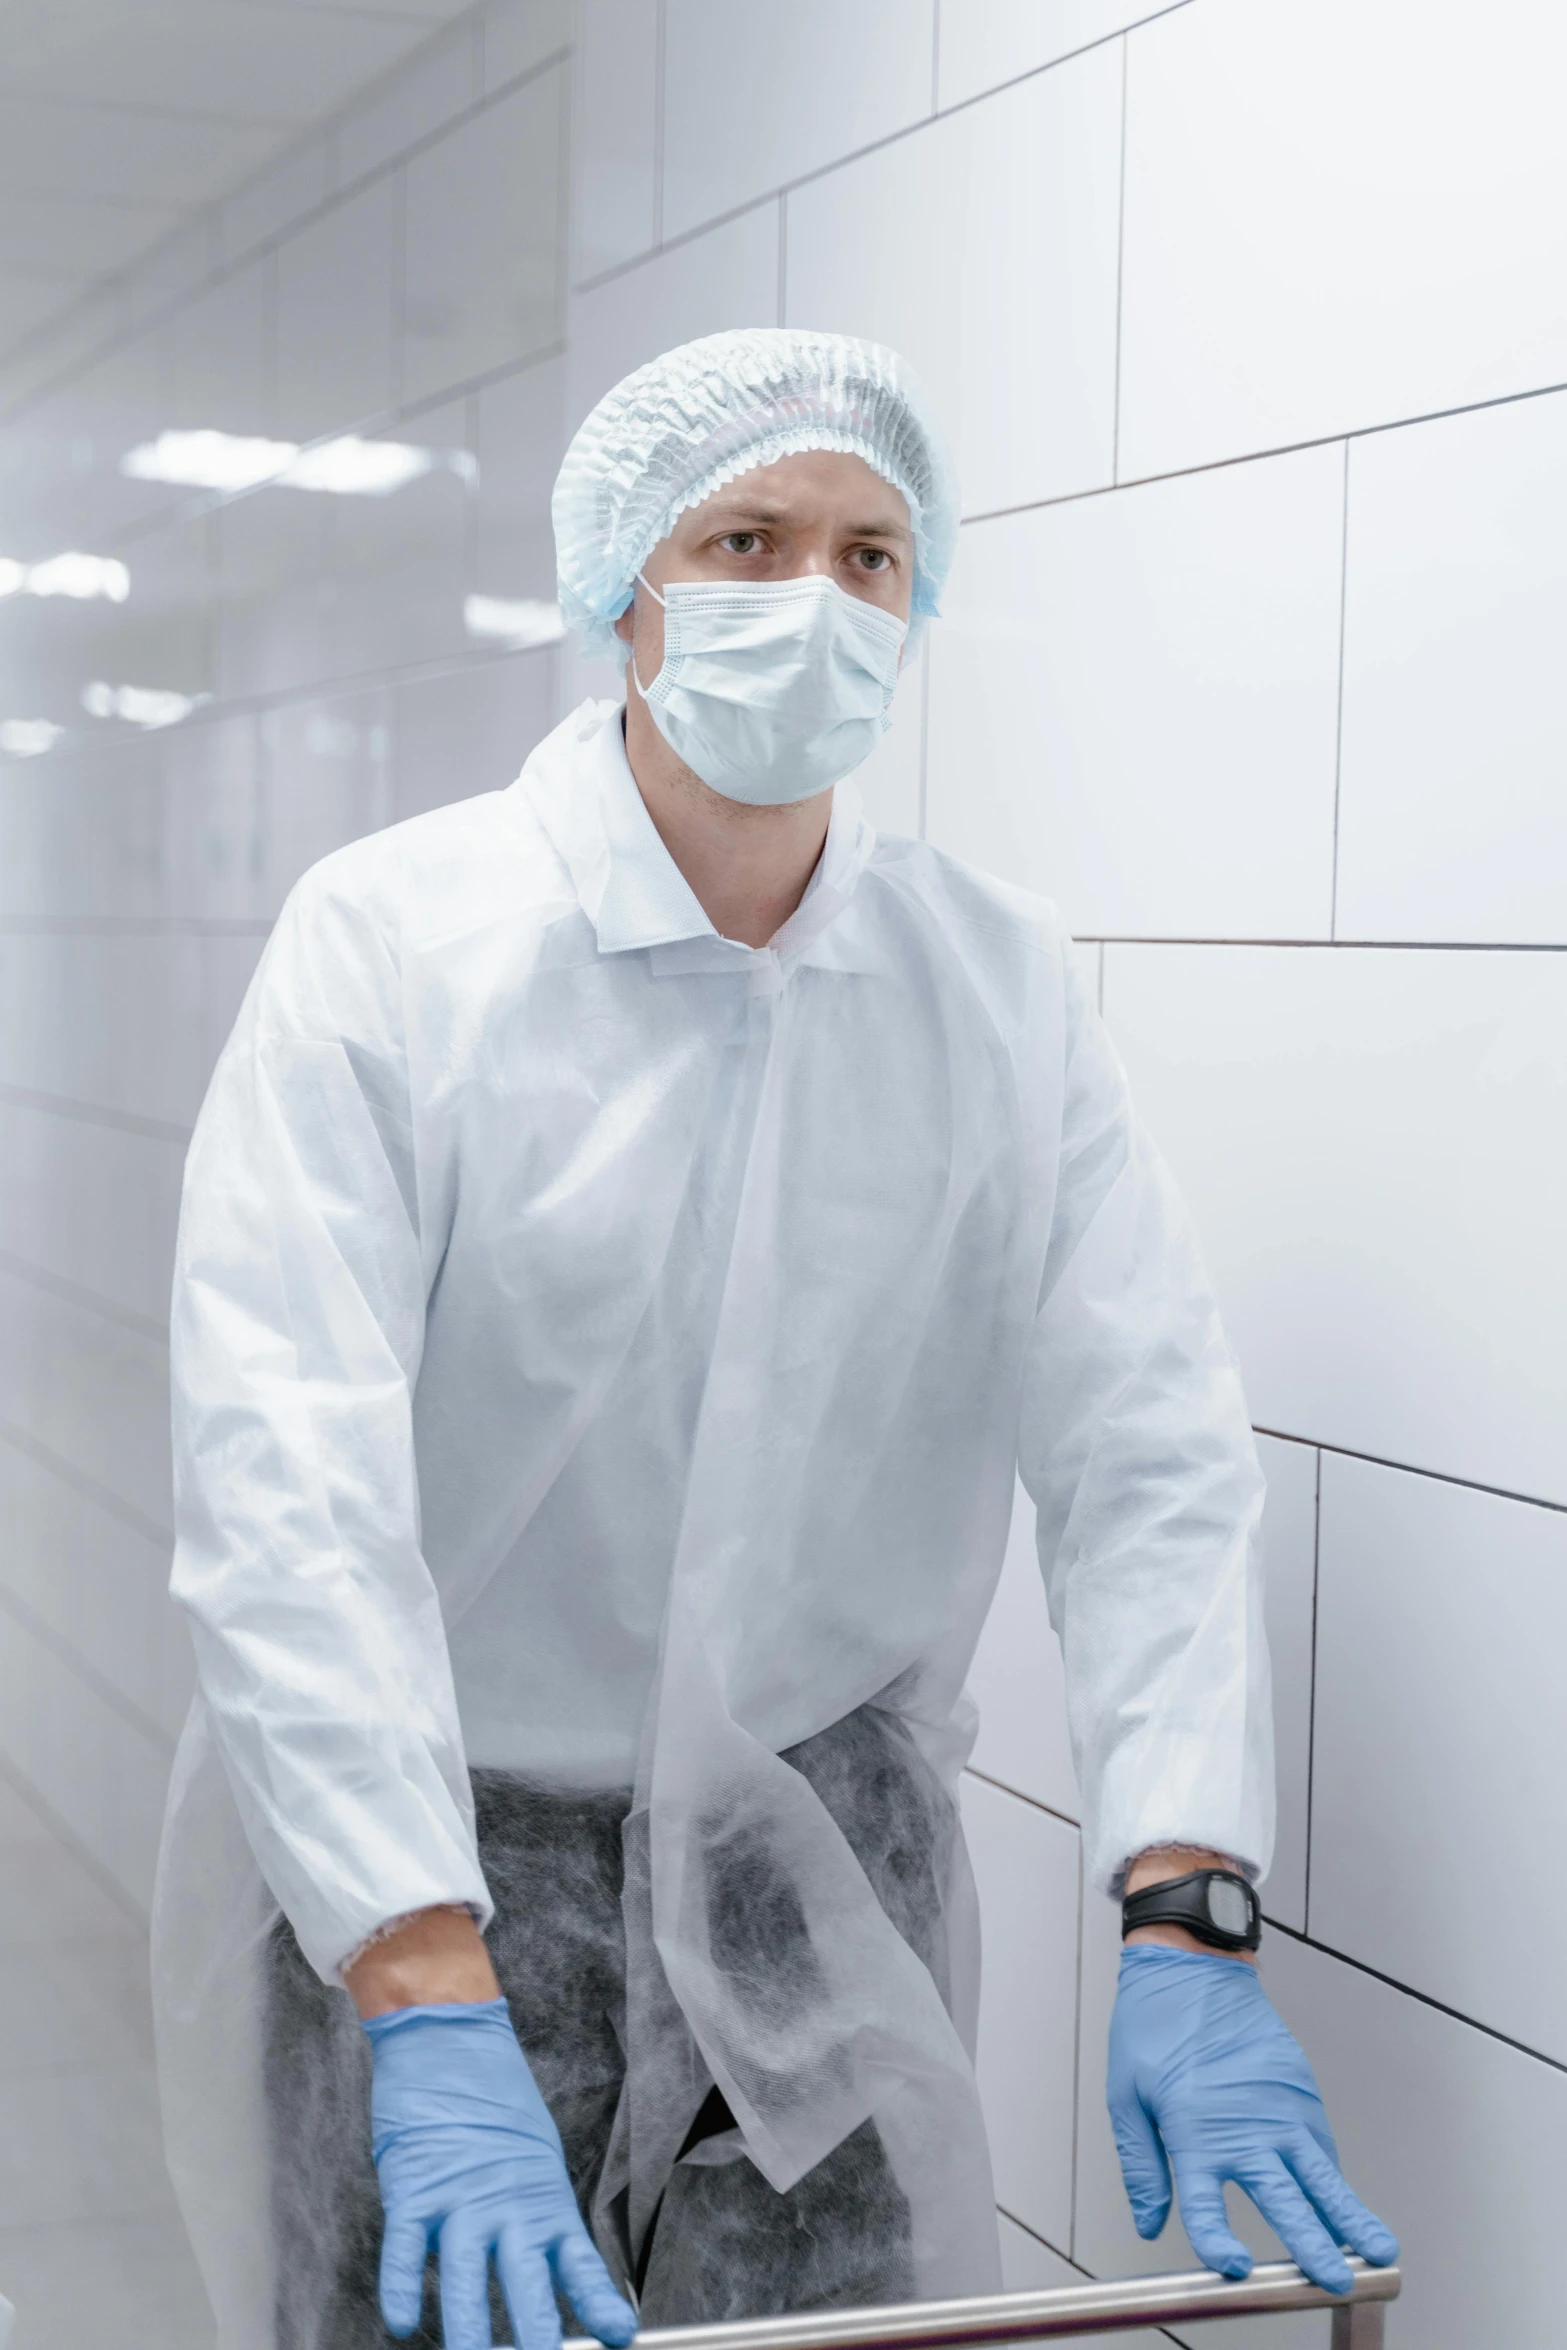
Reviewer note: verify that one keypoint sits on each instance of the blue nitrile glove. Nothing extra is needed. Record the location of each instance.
(470, 2161)
(1206, 2081)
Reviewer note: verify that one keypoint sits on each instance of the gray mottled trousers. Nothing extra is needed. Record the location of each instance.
(725, 2244)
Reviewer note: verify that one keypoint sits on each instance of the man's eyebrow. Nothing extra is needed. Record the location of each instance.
(741, 511)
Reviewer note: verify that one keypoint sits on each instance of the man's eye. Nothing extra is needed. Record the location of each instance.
(741, 542)
(874, 558)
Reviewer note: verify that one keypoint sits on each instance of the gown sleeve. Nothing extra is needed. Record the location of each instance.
(298, 1322)
(1136, 1449)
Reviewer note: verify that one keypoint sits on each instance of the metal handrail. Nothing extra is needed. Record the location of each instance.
(1089, 2308)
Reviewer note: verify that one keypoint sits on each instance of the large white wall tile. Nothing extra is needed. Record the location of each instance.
(220, 355)
(1018, 1682)
(518, 440)
(978, 48)
(437, 82)
(1452, 819)
(1134, 702)
(984, 249)
(327, 765)
(727, 278)
(517, 35)
(469, 729)
(756, 96)
(1442, 1744)
(1337, 216)
(99, 1774)
(335, 315)
(482, 237)
(1371, 1143)
(1030, 2266)
(1026, 1869)
(614, 160)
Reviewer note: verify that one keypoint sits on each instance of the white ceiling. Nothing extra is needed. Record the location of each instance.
(119, 118)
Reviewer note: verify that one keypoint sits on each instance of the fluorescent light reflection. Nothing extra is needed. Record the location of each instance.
(28, 738)
(347, 467)
(522, 622)
(139, 705)
(81, 577)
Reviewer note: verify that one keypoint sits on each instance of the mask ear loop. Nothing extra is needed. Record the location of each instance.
(631, 659)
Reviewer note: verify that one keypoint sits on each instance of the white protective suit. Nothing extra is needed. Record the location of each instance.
(605, 1351)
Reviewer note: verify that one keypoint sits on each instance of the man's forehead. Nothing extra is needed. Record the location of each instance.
(791, 491)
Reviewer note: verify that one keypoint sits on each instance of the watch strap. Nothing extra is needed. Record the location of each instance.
(1218, 1906)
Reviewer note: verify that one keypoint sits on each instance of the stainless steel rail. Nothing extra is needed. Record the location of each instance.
(1067, 2310)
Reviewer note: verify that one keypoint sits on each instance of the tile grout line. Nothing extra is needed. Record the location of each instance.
(89, 1301)
(1376, 1460)
(20, 1784)
(1311, 1711)
(88, 1487)
(1412, 1991)
(1338, 727)
(1120, 271)
(83, 1670)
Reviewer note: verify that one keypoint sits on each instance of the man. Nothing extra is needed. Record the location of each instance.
(638, 1230)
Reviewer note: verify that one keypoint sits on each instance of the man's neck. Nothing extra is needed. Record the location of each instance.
(747, 867)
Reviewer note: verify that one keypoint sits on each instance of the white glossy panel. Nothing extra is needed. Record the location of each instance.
(614, 134)
(402, 562)
(103, 1778)
(467, 730)
(279, 195)
(1452, 820)
(516, 35)
(481, 241)
(96, 1590)
(518, 440)
(981, 47)
(1289, 1549)
(1372, 1145)
(984, 249)
(437, 82)
(727, 278)
(1019, 1684)
(1134, 702)
(276, 607)
(1336, 216)
(94, 1394)
(756, 96)
(335, 316)
(220, 356)
(91, 1206)
(1026, 1868)
(327, 766)
(1442, 1621)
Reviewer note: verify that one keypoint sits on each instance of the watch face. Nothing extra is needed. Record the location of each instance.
(1228, 1906)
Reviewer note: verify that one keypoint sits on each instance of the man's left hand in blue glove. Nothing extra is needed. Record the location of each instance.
(1206, 2083)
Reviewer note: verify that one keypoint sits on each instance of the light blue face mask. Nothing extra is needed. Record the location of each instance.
(771, 691)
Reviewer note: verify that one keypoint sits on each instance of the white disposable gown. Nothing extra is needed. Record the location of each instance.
(606, 1351)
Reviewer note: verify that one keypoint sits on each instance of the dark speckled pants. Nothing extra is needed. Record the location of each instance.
(725, 2244)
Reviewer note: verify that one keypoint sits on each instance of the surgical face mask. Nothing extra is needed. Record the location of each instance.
(771, 691)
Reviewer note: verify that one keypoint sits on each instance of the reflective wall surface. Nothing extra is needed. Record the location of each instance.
(275, 569)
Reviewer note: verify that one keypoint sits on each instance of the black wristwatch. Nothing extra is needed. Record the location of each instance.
(1216, 1905)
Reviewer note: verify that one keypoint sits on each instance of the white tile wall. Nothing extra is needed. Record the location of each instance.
(1134, 702)
(751, 101)
(984, 249)
(336, 315)
(980, 48)
(1442, 1744)
(437, 82)
(1019, 1684)
(1026, 1865)
(1452, 820)
(728, 277)
(481, 241)
(615, 135)
(1371, 1143)
(1336, 216)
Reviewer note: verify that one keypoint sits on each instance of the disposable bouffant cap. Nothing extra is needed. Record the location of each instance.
(670, 434)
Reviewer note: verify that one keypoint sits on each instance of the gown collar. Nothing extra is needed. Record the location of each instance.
(627, 883)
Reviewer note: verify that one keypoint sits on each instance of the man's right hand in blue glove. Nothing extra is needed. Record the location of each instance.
(469, 2160)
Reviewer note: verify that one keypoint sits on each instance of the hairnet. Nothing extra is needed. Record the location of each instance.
(674, 431)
